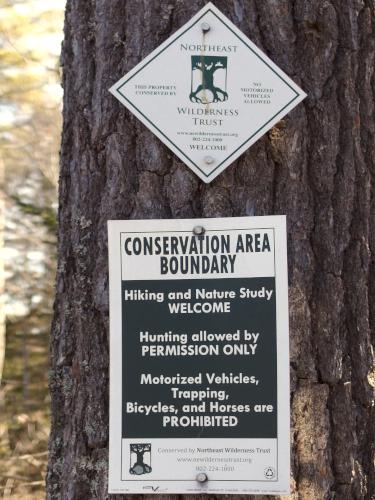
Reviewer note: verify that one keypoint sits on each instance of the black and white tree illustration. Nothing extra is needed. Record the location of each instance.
(140, 467)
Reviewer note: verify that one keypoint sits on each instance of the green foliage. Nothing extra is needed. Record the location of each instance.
(30, 127)
(24, 411)
(30, 93)
(46, 214)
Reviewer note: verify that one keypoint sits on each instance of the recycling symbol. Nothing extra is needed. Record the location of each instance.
(269, 473)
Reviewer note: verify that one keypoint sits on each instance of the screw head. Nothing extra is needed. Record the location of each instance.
(199, 230)
(208, 160)
(205, 27)
(201, 477)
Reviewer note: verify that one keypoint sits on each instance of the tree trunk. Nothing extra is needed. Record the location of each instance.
(316, 166)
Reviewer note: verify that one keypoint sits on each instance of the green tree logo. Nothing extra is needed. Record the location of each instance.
(207, 81)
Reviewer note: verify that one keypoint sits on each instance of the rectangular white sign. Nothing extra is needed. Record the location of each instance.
(199, 356)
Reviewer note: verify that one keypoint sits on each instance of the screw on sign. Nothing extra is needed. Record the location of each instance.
(202, 477)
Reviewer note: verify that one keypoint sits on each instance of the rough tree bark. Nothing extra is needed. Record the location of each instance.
(316, 166)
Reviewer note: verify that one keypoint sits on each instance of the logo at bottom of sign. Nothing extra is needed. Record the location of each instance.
(140, 458)
(270, 473)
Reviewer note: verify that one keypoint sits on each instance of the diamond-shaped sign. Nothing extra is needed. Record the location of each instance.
(208, 93)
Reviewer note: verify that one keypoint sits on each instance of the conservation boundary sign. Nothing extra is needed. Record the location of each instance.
(199, 357)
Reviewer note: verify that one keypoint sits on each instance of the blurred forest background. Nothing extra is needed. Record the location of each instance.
(30, 123)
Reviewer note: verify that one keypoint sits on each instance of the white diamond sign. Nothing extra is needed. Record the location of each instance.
(208, 93)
